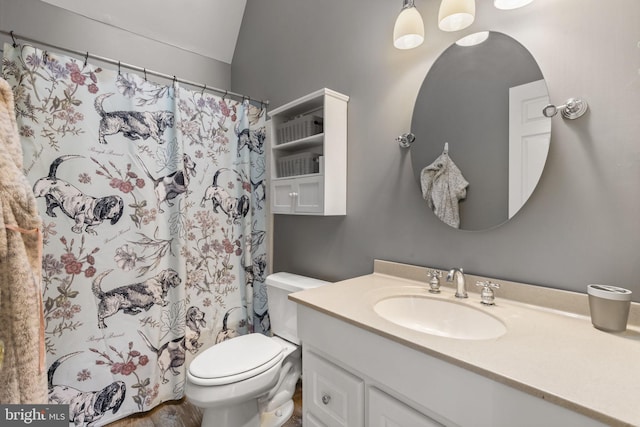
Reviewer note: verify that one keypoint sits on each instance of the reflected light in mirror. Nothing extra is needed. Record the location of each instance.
(456, 15)
(510, 4)
(473, 39)
(408, 31)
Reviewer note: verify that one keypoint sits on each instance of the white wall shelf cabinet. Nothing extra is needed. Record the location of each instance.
(296, 188)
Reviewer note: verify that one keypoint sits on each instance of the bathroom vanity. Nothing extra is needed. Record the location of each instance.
(548, 366)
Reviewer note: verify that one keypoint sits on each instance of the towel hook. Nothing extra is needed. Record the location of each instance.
(572, 109)
(406, 139)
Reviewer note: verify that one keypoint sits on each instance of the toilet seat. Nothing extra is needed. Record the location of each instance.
(235, 360)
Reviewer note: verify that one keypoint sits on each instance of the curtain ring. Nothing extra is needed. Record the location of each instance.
(86, 58)
(119, 69)
(145, 74)
(203, 89)
(175, 80)
(15, 44)
(45, 57)
(225, 95)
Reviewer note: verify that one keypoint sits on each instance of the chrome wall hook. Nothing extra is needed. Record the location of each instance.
(574, 108)
(406, 139)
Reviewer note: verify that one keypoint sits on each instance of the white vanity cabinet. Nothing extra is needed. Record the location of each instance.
(333, 397)
(354, 377)
(384, 411)
(308, 155)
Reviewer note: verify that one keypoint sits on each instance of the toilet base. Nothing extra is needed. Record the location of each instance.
(278, 417)
(243, 414)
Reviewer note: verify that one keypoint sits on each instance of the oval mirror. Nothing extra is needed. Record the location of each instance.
(485, 101)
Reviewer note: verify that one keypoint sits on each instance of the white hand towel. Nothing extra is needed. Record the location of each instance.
(443, 186)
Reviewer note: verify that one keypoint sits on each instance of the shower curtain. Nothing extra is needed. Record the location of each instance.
(153, 206)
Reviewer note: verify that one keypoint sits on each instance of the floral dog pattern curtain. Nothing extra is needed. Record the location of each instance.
(152, 199)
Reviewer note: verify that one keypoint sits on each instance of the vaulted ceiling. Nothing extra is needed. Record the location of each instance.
(206, 27)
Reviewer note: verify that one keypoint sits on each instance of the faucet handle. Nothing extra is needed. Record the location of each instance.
(434, 283)
(488, 283)
(433, 273)
(487, 295)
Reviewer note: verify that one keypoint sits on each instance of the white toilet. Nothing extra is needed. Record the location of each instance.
(249, 381)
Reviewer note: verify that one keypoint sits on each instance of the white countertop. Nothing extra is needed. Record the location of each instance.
(555, 355)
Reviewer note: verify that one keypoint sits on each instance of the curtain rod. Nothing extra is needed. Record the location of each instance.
(88, 55)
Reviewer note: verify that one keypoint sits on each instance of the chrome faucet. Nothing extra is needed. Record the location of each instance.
(461, 287)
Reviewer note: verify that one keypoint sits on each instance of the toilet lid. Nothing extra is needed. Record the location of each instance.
(236, 359)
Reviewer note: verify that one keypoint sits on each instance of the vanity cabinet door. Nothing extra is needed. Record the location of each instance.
(384, 411)
(332, 396)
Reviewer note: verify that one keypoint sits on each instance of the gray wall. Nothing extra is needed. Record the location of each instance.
(41, 21)
(582, 223)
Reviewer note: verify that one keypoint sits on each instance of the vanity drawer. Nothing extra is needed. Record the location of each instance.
(331, 394)
(385, 410)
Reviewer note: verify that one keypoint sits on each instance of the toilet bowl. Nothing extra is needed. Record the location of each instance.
(249, 381)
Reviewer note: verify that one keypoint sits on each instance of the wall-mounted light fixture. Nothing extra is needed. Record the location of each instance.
(456, 15)
(409, 29)
(510, 4)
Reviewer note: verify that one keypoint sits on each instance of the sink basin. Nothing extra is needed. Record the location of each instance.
(439, 317)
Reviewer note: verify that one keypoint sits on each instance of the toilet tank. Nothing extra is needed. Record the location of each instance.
(282, 312)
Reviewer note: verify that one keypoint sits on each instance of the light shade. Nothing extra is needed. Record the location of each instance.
(456, 15)
(409, 29)
(510, 4)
